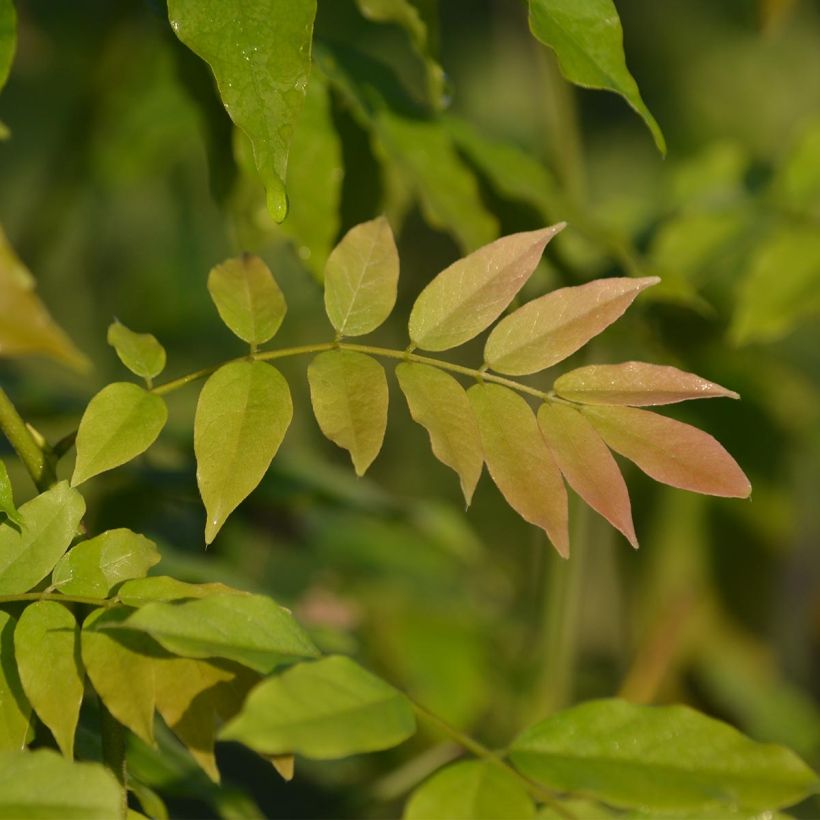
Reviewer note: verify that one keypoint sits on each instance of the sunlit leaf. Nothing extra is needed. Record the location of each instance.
(7, 497)
(141, 591)
(260, 55)
(121, 422)
(470, 790)
(95, 566)
(29, 553)
(470, 294)
(440, 405)
(520, 462)
(141, 353)
(285, 765)
(670, 451)
(242, 415)
(324, 710)
(587, 38)
(349, 395)
(548, 329)
(15, 710)
(247, 297)
(47, 648)
(587, 465)
(361, 277)
(8, 38)
(662, 758)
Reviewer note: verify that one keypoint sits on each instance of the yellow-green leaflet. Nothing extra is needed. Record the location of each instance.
(141, 353)
(361, 276)
(349, 395)
(15, 710)
(243, 413)
(7, 496)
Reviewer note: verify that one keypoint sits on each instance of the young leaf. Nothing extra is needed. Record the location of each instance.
(141, 353)
(7, 497)
(361, 276)
(440, 405)
(635, 383)
(670, 451)
(260, 55)
(348, 391)
(324, 710)
(250, 629)
(548, 329)
(587, 38)
(95, 566)
(242, 415)
(143, 591)
(247, 298)
(122, 421)
(470, 294)
(470, 790)
(520, 462)
(662, 758)
(587, 465)
(50, 521)
(15, 710)
(47, 648)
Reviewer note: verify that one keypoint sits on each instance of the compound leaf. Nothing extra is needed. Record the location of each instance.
(670, 451)
(7, 497)
(15, 710)
(361, 276)
(440, 405)
(520, 462)
(349, 394)
(141, 591)
(122, 421)
(243, 413)
(470, 294)
(548, 329)
(141, 353)
(324, 710)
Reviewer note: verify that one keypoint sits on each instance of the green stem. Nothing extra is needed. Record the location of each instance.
(36, 460)
(113, 752)
(58, 596)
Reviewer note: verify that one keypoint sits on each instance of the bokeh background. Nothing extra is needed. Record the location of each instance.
(123, 182)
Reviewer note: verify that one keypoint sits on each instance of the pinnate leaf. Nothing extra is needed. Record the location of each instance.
(471, 294)
(668, 758)
(637, 384)
(7, 497)
(243, 413)
(587, 465)
(141, 353)
(349, 394)
(29, 553)
(141, 591)
(247, 297)
(47, 648)
(440, 405)
(361, 276)
(548, 329)
(520, 462)
(324, 710)
(470, 790)
(122, 421)
(670, 451)
(15, 710)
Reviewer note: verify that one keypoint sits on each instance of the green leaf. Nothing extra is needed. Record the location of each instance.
(361, 277)
(122, 421)
(141, 353)
(661, 758)
(520, 462)
(28, 554)
(470, 790)
(348, 391)
(440, 405)
(7, 497)
(324, 710)
(8, 38)
(15, 710)
(247, 298)
(260, 55)
(47, 648)
(42, 785)
(587, 38)
(250, 629)
(143, 591)
(95, 566)
(243, 413)
(470, 294)
(548, 329)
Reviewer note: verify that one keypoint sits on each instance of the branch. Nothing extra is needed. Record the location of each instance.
(36, 459)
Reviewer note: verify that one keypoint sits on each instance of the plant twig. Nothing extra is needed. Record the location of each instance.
(34, 457)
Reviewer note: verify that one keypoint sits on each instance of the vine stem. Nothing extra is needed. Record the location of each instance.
(34, 457)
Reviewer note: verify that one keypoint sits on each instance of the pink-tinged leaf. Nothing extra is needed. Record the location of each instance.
(547, 330)
(637, 384)
(470, 294)
(520, 462)
(587, 465)
(670, 451)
